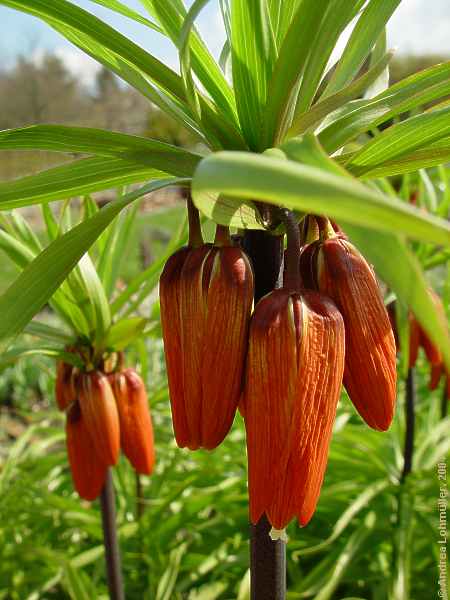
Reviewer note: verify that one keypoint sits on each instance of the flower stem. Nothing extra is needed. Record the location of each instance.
(195, 230)
(292, 276)
(112, 551)
(222, 237)
(410, 425)
(267, 557)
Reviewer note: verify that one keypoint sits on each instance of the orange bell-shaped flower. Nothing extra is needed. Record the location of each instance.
(100, 416)
(88, 471)
(336, 268)
(136, 431)
(206, 299)
(294, 374)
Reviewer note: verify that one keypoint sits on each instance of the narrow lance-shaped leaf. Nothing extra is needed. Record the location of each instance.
(86, 140)
(126, 11)
(423, 88)
(405, 137)
(311, 189)
(303, 121)
(281, 87)
(41, 278)
(78, 177)
(173, 16)
(364, 36)
(252, 57)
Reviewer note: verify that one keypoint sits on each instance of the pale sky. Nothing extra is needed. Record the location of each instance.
(418, 27)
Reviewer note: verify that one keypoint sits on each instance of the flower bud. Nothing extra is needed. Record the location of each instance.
(136, 431)
(293, 377)
(341, 272)
(99, 412)
(88, 471)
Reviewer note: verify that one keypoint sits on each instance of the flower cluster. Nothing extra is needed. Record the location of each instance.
(104, 412)
(284, 364)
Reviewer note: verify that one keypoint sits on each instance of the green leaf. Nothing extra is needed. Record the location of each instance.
(348, 556)
(306, 188)
(281, 88)
(424, 87)
(60, 138)
(303, 121)
(333, 23)
(41, 278)
(98, 303)
(364, 36)
(126, 11)
(208, 72)
(400, 139)
(435, 154)
(400, 269)
(143, 284)
(252, 58)
(172, 106)
(47, 332)
(124, 332)
(184, 48)
(76, 178)
(282, 14)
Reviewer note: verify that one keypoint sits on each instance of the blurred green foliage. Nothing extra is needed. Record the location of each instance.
(191, 541)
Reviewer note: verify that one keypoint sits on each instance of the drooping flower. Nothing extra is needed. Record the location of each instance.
(206, 296)
(294, 373)
(136, 431)
(336, 268)
(88, 470)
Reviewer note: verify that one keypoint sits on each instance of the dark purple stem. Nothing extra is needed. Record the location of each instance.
(267, 558)
(112, 551)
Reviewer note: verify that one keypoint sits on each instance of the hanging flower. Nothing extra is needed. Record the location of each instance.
(136, 431)
(206, 296)
(293, 378)
(336, 268)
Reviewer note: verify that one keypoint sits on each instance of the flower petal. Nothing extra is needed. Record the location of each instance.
(88, 470)
(136, 431)
(229, 303)
(99, 412)
(169, 295)
(370, 365)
